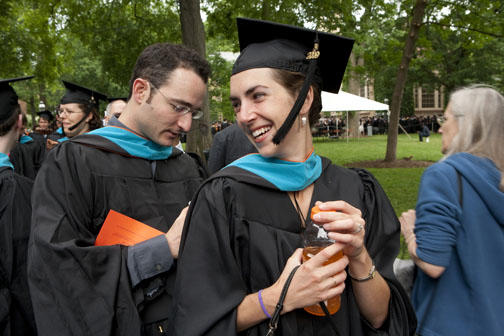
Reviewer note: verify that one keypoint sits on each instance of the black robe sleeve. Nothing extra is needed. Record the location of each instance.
(27, 158)
(16, 315)
(208, 256)
(77, 288)
(383, 242)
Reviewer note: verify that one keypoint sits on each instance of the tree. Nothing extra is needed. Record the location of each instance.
(96, 42)
(459, 44)
(28, 46)
(219, 81)
(409, 48)
(116, 32)
(341, 17)
(193, 35)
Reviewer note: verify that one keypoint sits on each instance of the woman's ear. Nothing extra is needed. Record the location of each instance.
(305, 109)
(19, 122)
(89, 117)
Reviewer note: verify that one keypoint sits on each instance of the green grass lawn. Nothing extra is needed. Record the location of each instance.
(400, 184)
(342, 151)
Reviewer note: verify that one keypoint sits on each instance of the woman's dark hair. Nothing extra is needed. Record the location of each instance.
(292, 82)
(6, 126)
(95, 121)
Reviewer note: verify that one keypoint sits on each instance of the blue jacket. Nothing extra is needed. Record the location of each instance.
(468, 240)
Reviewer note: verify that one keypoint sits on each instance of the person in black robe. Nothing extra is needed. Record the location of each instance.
(16, 315)
(242, 237)
(59, 133)
(45, 124)
(27, 156)
(78, 112)
(29, 152)
(130, 167)
(228, 145)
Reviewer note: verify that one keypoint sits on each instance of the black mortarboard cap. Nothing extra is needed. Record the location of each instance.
(8, 97)
(320, 56)
(47, 114)
(265, 44)
(81, 95)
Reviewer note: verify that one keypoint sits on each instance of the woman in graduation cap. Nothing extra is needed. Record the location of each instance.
(243, 234)
(78, 111)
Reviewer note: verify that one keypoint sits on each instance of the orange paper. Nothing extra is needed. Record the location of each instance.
(124, 230)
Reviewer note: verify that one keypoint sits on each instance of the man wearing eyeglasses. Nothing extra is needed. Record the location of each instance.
(84, 285)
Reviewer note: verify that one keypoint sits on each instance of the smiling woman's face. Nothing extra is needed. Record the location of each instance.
(43, 124)
(261, 106)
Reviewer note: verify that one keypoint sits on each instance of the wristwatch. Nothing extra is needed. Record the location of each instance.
(370, 276)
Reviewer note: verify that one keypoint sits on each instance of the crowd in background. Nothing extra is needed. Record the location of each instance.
(334, 126)
(414, 124)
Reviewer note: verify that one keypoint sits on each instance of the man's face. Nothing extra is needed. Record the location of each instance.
(157, 118)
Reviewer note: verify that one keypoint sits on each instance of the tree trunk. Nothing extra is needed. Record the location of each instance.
(409, 48)
(193, 36)
(265, 10)
(354, 88)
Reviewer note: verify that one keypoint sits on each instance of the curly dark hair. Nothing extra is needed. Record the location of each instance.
(292, 82)
(95, 121)
(6, 126)
(157, 61)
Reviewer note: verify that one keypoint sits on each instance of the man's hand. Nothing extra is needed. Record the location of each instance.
(174, 234)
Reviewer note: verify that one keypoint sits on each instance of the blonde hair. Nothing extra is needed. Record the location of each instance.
(479, 111)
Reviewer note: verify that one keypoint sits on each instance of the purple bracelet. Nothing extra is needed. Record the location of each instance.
(262, 304)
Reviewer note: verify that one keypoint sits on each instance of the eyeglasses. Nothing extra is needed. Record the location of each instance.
(441, 120)
(181, 109)
(67, 112)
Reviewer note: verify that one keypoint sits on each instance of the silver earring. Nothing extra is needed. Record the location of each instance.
(303, 121)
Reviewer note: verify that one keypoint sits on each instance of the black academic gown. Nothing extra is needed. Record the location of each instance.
(228, 145)
(27, 158)
(16, 315)
(36, 136)
(237, 240)
(82, 289)
(55, 136)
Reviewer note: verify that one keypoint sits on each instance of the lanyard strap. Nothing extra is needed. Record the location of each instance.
(273, 324)
(326, 312)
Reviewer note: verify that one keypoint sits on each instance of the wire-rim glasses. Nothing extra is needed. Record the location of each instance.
(181, 109)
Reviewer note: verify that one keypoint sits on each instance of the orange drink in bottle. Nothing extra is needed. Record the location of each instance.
(315, 239)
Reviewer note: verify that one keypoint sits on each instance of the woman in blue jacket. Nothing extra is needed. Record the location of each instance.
(456, 236)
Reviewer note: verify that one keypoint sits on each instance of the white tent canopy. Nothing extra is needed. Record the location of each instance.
(344, 101)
